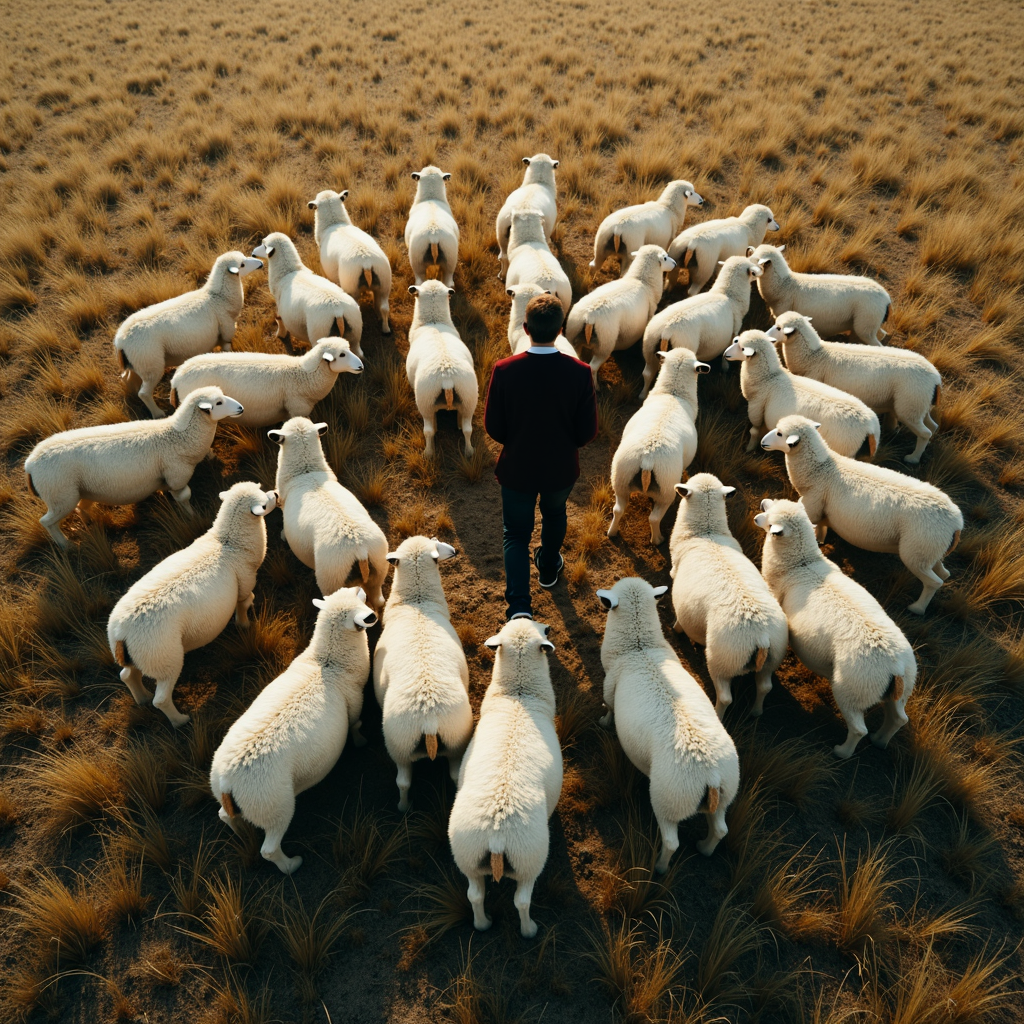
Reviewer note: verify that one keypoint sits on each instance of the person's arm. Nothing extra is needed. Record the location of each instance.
(494, 409)
(585, 427)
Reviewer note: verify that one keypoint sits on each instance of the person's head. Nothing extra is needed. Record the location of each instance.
(544, 316)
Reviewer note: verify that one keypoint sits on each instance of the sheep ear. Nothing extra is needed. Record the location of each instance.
(526, 160)
(608, 599)
(233, 270)
(415, 175)
(682, 490)
(782, 248)
(446, 176)
(206, 406)
(414, 289)
(223, 495)
(494, 642)
(312, 204)
(510, 291)
(788, 331)
(701, 368)
(361, 594)
(793, 440)
(661, 354)
(547, 646)
(748, 351)
(727, 490)
(276, 435)
(321, 428)
(660, 592)
(343, 195)
(327, 357)
(554, 163)
(817, 426)
(721, 263)
(393, 557)
(319, 602)
(451, 292)
(750, 250)
(776, 529)
(270, 251)
(635, 254)
(766, 503)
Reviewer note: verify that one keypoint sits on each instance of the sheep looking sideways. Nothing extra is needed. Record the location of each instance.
(431, 234)
(623, 232)
(185, 601)
(293, 733)
(530, 261)
(664, 720)
(869, 506)
(511, 776)
(349, 256)
(518, 339)
(537, 192)
(121, 463)
(836, 628)
(420, 674)
(168, 333)
(271, 387)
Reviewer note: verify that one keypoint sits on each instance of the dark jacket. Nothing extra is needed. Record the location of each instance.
(542, 409)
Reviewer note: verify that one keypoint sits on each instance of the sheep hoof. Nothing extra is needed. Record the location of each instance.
(528, 931)
(605, 721)
(916, 608)
(289, 865)
(911, 461)
(878, 741)
(179, 721)
(841, 752)
(482, 926)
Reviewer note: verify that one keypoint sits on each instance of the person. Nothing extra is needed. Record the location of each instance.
(542, 409)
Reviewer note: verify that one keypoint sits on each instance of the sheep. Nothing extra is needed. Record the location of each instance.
(838, 302)
(891, 380)
(613, 316)
(511, 775)
(271, 387)
(654, 223)
(706, 323)
(325, 524)
(537, 192)
(530, 261)
(439, 366)
(518, 339)
(836, 628)
(122, 463)
(420, 674)
(431, 234)
(348, 255)
(308, 305)
(720, 598)
(869, 506)
(293, 733)
(169, 332)
(185, 601)
(702, 247)
(772, 392)
(659, 441)
(664, 720)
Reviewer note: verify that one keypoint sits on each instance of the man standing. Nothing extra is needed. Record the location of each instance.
(542, 408)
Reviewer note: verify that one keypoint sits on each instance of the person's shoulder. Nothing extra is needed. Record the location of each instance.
(509, 361)
(574, 362)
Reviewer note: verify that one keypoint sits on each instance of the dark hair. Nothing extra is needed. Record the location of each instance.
(544, 316)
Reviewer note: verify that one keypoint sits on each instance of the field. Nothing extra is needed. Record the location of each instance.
(137, 142)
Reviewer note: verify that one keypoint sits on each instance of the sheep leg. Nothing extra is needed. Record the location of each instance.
(941, 571)
(229, 821)
(820, 531)
(723, 693)
(467, 433)
(380, 300)
(428, 436)
(931, 422)
(146, 395)
(752, 443)
(655, 518)
(617, 510)
(132, 678)
(924, 435)
(356, 733)
(650, 372)
(522, 899)
(85, 509)
(404, 780)
(856, 730)
(669, 843)
(454, 766)
(894, 720)
(930, 583)
(595, 364)
(763, 679)
(242, 611)
(475, 892)
(51, 523)
(448, 275)
(182, 496)
(607, 721)
(271, 848)
(717, 830)
(164, 700)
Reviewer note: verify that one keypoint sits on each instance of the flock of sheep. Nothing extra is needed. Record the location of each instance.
(819, 410)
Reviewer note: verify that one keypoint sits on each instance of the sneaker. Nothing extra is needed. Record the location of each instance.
(548, 583)
(520, 615)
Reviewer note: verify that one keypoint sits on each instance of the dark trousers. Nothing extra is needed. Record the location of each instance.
(517, 513)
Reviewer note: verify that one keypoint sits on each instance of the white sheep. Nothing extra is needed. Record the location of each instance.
(308, 305)
(706, 323)
(836, 628)
(518, 339)
(659, 441)
(657, 222)
(271, 387)
(439, 365)
(511, 776)
(185, 601)
(325, 524)
(420, 674)
(702, 247)
(664, 720)
(169, 332)
(431, 234)
(349, 256)
(869, 506)
(838, 302)
(530, 261)
(121, 463)
(890, 380)
(772, 392)
(720, 598)
(293, 733)
(537, 192)
(613, 316)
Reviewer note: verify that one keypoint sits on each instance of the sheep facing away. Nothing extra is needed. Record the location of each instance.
(518, 339)
(271, 387)
(836, 628)
(657, 222)
(659, 441)
(325, 524)
(350, 257)
(613, 316)
(702, 247)
(870, 506)
(888, 380)
(511, 776)
(772, 392)
(439, 365)
(537, 192)
(530, 261)
(720, 598)
(420, 674)
(121, 463)
(308, 305)
(838, 302)
(168, 333)
(185, 601)
(664, 720)
(293, 733)
(431, 233)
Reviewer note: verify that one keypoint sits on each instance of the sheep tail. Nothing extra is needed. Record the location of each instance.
(430, 741)
(712, 799)
(687, 256)
(364, 569)
(121, 655)
(174, 398)
(338, 328)
(896, 688)
(228, 804)
(616, 240)
(368, 277)
(872, 445)
(952, 547)
(449, 398)
(760, 658)
(645, 479)
(497, 866)
(588, 332)
(31, 486)
(663, 344)
(433, 252)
